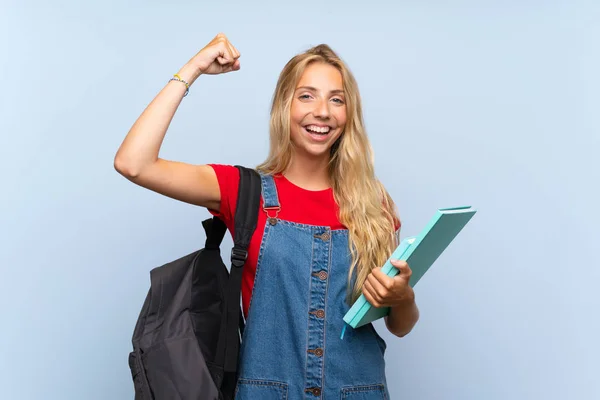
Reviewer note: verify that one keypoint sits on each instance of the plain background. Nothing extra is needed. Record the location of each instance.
(492, 104)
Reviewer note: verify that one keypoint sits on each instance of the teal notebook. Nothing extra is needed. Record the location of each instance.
(420, 252)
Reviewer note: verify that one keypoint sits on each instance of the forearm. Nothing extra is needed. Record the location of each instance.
(402, 317)
(141, 146)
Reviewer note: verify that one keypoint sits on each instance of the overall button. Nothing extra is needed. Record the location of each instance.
(317, 352)
(322, 275)
(318, 313)
(315, 391)
(324, 236)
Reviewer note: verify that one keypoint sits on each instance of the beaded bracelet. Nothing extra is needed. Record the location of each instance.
(176, 77)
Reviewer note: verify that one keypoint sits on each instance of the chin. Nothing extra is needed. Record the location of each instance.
(310, 151)
(318, 153)
(313, 150)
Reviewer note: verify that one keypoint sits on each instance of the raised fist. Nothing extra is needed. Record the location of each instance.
(217, 57)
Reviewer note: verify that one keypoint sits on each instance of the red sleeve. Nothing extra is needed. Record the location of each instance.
(228, 177)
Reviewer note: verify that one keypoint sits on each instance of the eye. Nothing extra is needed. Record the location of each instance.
(338, 100)
(304, 96)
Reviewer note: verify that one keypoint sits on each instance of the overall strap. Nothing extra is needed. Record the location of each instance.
(270, 198)
(269, 192)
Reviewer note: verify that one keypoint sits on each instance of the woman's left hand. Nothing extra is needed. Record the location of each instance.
(382, 291)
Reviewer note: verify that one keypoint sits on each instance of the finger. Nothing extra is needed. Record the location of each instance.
(380, 292)
(369, 296)
(234, 53)
(382, 278)
(368, 288)
(225, 57)
(403, 268)
(231, 67)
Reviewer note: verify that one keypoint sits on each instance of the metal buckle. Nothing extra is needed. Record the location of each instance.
(276, 208)
(272, 219)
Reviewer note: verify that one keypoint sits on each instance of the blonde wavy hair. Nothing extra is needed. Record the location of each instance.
(365, 207)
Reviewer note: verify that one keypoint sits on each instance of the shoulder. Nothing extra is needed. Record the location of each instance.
(225, 170)
(228, 177)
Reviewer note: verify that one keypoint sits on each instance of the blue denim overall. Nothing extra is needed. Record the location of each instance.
(291, 348)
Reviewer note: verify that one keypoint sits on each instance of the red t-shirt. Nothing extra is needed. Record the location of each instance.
(297, 205)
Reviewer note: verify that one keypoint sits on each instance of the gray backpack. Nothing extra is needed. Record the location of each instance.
(187, 337)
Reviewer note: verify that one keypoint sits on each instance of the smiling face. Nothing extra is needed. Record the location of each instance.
(318, 110)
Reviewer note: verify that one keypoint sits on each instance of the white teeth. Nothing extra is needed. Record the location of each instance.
(317, 129)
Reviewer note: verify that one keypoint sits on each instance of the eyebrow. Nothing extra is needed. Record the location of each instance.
(313, 89)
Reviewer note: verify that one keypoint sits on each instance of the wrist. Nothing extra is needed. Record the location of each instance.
(408, 299)
(189, 73)
(402, 318)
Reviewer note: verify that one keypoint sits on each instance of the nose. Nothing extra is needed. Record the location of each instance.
(321, 109)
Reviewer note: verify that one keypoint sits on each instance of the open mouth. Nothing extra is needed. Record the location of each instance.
(318, 131)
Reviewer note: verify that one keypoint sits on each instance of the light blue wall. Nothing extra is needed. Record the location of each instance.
(493, 104)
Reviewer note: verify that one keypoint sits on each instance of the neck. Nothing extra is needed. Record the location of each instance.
(309, 173)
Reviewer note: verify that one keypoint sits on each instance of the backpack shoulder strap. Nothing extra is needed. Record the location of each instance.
(246, 213)
(246, 216)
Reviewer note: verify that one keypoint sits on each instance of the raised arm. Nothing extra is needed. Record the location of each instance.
(138, 159)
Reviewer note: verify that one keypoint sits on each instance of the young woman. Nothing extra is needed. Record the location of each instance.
(326, 226)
